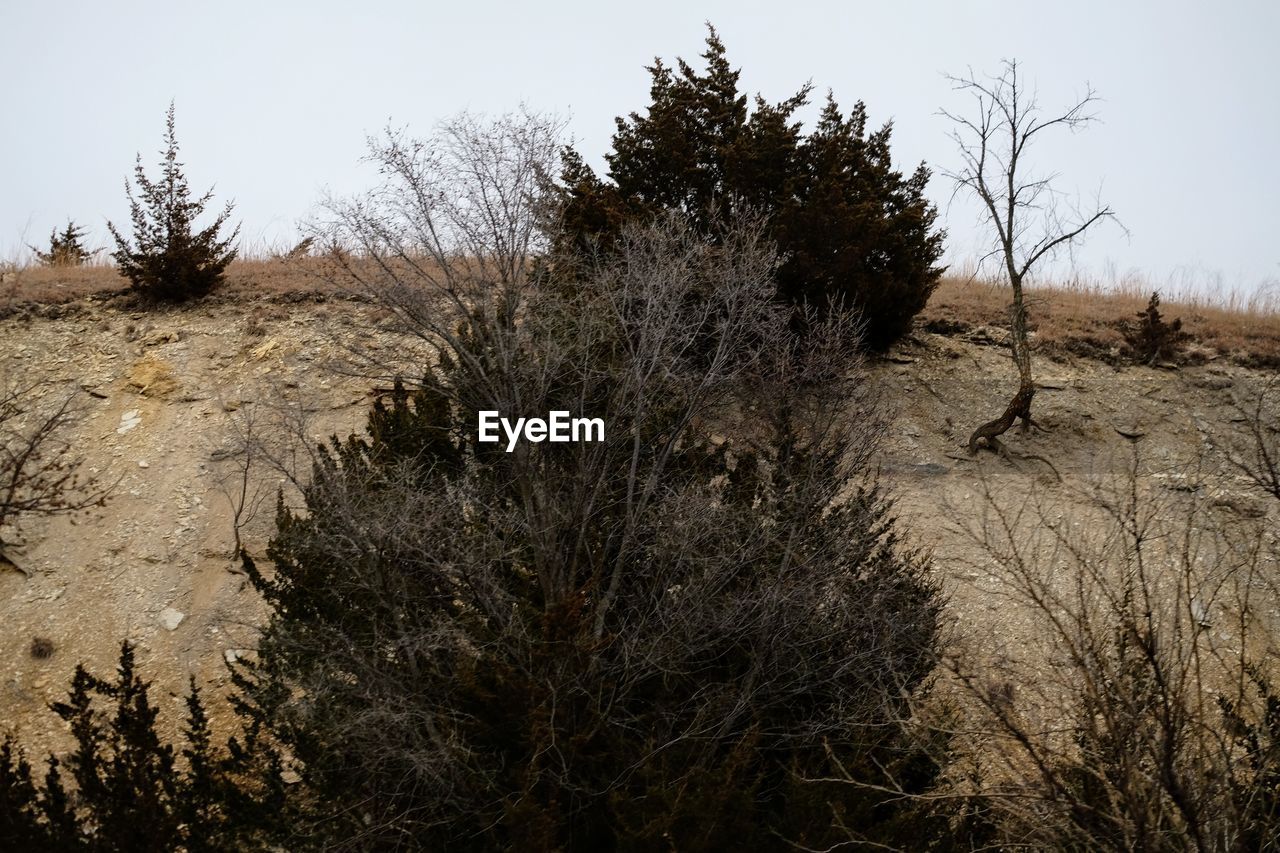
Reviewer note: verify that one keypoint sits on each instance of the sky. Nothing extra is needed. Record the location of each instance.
(275, 100)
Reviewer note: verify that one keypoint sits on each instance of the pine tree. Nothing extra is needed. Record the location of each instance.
(170, 261)
(20, 823)
(855, 234)
(65, 249)
(130, 792)
(1152, 338)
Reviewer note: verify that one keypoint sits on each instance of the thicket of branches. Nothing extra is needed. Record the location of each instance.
(655, 640)
(40, 470)
(1139, 710)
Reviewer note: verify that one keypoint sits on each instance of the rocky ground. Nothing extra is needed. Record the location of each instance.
(163, 396)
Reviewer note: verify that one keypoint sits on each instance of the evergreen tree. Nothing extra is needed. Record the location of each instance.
(130, 792)
(653, 642)
(854, 233)
(168, 260)
(1152, 338)
(65, 249)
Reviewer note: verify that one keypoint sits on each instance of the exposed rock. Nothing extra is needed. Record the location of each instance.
(171, 618)
(128, 421)
(157, 338)
(1241, 505)
(1214, 383)
(923, 469)
(152, 376)
(265, 349)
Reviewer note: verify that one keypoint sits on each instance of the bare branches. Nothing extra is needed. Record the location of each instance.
(39, 470)
(1259, 459)
(238, 481)
(1105, 723)
(1026, 212)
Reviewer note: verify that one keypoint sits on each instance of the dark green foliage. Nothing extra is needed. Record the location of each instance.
(853, 232)
(1152, 339)
(20, 812)
(459, 696)
(168, 260)
(65, 249)
(123, 789)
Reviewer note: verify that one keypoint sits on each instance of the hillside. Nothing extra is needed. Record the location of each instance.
(163, 396)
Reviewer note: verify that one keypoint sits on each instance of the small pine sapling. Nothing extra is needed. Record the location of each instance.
(168, 260)
(1152, 339)
(65, 249)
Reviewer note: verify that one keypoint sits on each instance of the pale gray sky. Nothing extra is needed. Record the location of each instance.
(274, 99)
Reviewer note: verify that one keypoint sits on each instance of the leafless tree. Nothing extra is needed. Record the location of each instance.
(1029, 217)
(240, 475)
(1258, 457)
(40, 472)
(451, 232)
(1134, 709)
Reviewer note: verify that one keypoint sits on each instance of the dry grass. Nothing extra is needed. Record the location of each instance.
(1080, 318)
(246, 279)
(1085, 318)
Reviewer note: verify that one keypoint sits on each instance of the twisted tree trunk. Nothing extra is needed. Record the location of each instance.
(1020, 406)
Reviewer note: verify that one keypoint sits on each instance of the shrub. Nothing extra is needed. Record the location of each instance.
(65, 249)
(42, 647)
(853, 232)
(673, 638)
(1152, 339)
(1140, 722)
(130, 790)
(168, 260)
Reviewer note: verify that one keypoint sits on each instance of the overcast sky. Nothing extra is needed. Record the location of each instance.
(274, 100)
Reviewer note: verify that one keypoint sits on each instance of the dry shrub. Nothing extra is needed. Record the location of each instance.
(1135, 710)
(40, 470)
(663, 639)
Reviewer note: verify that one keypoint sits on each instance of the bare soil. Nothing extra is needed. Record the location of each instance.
(163, 393)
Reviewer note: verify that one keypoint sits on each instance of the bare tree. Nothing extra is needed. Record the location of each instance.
(39, 470)
(239, 477)
(1025, 211)
(451, 234)
(1133, 711)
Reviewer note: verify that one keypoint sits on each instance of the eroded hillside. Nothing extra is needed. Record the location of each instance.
(164, 396)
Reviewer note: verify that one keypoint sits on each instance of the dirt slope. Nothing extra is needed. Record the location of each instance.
(161, 395)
